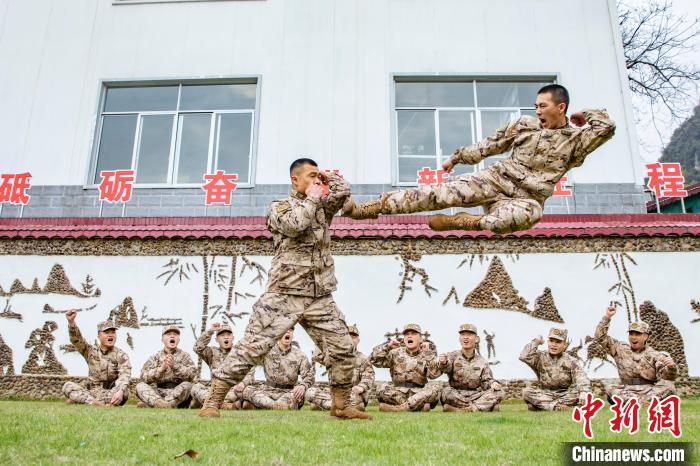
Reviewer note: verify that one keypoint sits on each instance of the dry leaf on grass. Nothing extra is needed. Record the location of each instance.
(191, 453)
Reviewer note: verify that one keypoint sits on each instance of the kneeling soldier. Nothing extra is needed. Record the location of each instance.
(167, 375)
(362, 379)
(472, 387)
(644, 372)
(213, 356)
(109, 368)
(283, 367)
(410, 367)
(562, 382)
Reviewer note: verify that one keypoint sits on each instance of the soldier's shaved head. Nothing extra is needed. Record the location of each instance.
(558, 92)
(299, 163)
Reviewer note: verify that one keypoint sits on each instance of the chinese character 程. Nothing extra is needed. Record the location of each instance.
(586, 413)
(626, 415)
(13, 188)
(218, 187)
(665, 414)
(560, 189)
(666, 179)
(116, 185)
(428, 176)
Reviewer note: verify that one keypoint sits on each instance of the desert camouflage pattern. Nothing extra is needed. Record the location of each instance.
(362, 376)
(108, 372)
(302, 264)
(470, 380)
(172, 385)
(642, 374)
(213, 356)
(284, 369)
(511, 191)
(561, 379)
(409, 375)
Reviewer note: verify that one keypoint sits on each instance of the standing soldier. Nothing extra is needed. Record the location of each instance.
(472, 387)
(490, 348)
(362, 378)
(410, 367)
(562, 382)
(213, 356)
(513, 190)
(284, 365)
(109, 369)
(300, 283)
(644, 372)
(166, 378)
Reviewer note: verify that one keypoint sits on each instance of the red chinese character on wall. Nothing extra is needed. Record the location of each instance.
(665, 414)
(428, 176)
(666, 179)
(560, 189)
(116, 185)
(13, 188)
(218, 187)
(626, 415)
(586, 413)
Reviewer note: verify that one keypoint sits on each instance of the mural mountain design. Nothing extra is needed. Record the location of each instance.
(663, 335)
(545, 308)
(496, 291)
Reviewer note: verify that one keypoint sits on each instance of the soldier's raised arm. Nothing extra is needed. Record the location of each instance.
(381, 355)
(499, 142)
(307, 373)
(202, 348)
(291, 220)
(600, 130)
(530, 355)
(338, 192)
(152, 371)
(601, 332)
(76, 338)
(185, 369)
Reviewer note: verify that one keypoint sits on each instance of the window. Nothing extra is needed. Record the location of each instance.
(173, 134)
(433, 118)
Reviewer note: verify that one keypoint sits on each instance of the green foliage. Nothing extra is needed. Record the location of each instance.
(684, 147)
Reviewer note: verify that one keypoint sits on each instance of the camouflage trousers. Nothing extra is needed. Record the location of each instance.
(504, 213)
(321, 398)
(83, 395)
(416, 397)
(483, 400)
(275, 313)
(547, 400)
(199, 392)
(264, 396)
(643, 393)
(149, 394)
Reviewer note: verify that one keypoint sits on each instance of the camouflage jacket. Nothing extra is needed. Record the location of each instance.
(362, 374)
(645, 364)
(540, 156)
(466, 373)
(104, 367)
(212, 355)
(555, 373)
(405, 367)
(285, 368)
(300, 226)
(183, 369)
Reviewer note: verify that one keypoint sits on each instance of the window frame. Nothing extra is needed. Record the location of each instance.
(452, 77)
(173, 158)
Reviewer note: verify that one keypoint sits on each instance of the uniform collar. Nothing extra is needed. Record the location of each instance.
(105, 351)
(412, 353)
(467, 357)
(297, 194)
(282, 350)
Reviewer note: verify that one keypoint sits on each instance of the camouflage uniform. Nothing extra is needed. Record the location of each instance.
(642, 374)
(108, 371)
(363, 376)
(300, 283)
(171, 385)
(283, 369)
(409, 376)
(561, 378)
(213, 356)
(512, 191)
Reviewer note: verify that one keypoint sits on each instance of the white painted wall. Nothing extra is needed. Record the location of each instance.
(325, 67)
(368, 289)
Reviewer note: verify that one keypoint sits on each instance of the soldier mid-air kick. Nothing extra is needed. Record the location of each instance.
(512, 191)
(300, 283)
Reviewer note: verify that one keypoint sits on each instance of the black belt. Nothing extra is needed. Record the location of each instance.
(279, 385)
(169, 385)
(636, 382)
(109, 385)
(409, 385)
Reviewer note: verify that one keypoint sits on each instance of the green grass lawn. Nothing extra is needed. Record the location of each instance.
(51, 432)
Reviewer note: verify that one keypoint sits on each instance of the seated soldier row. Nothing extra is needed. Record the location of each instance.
(168, 376)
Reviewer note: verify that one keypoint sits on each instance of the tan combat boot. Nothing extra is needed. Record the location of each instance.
(97, 402)
(394, 408)
(247, 405)
(342, 408)
(217, 392)
(281, 405)
(448, 408)
(460, 221)
(195, 404)
(164, 404)
(229, 405)
(366, 210)
(141, 404)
